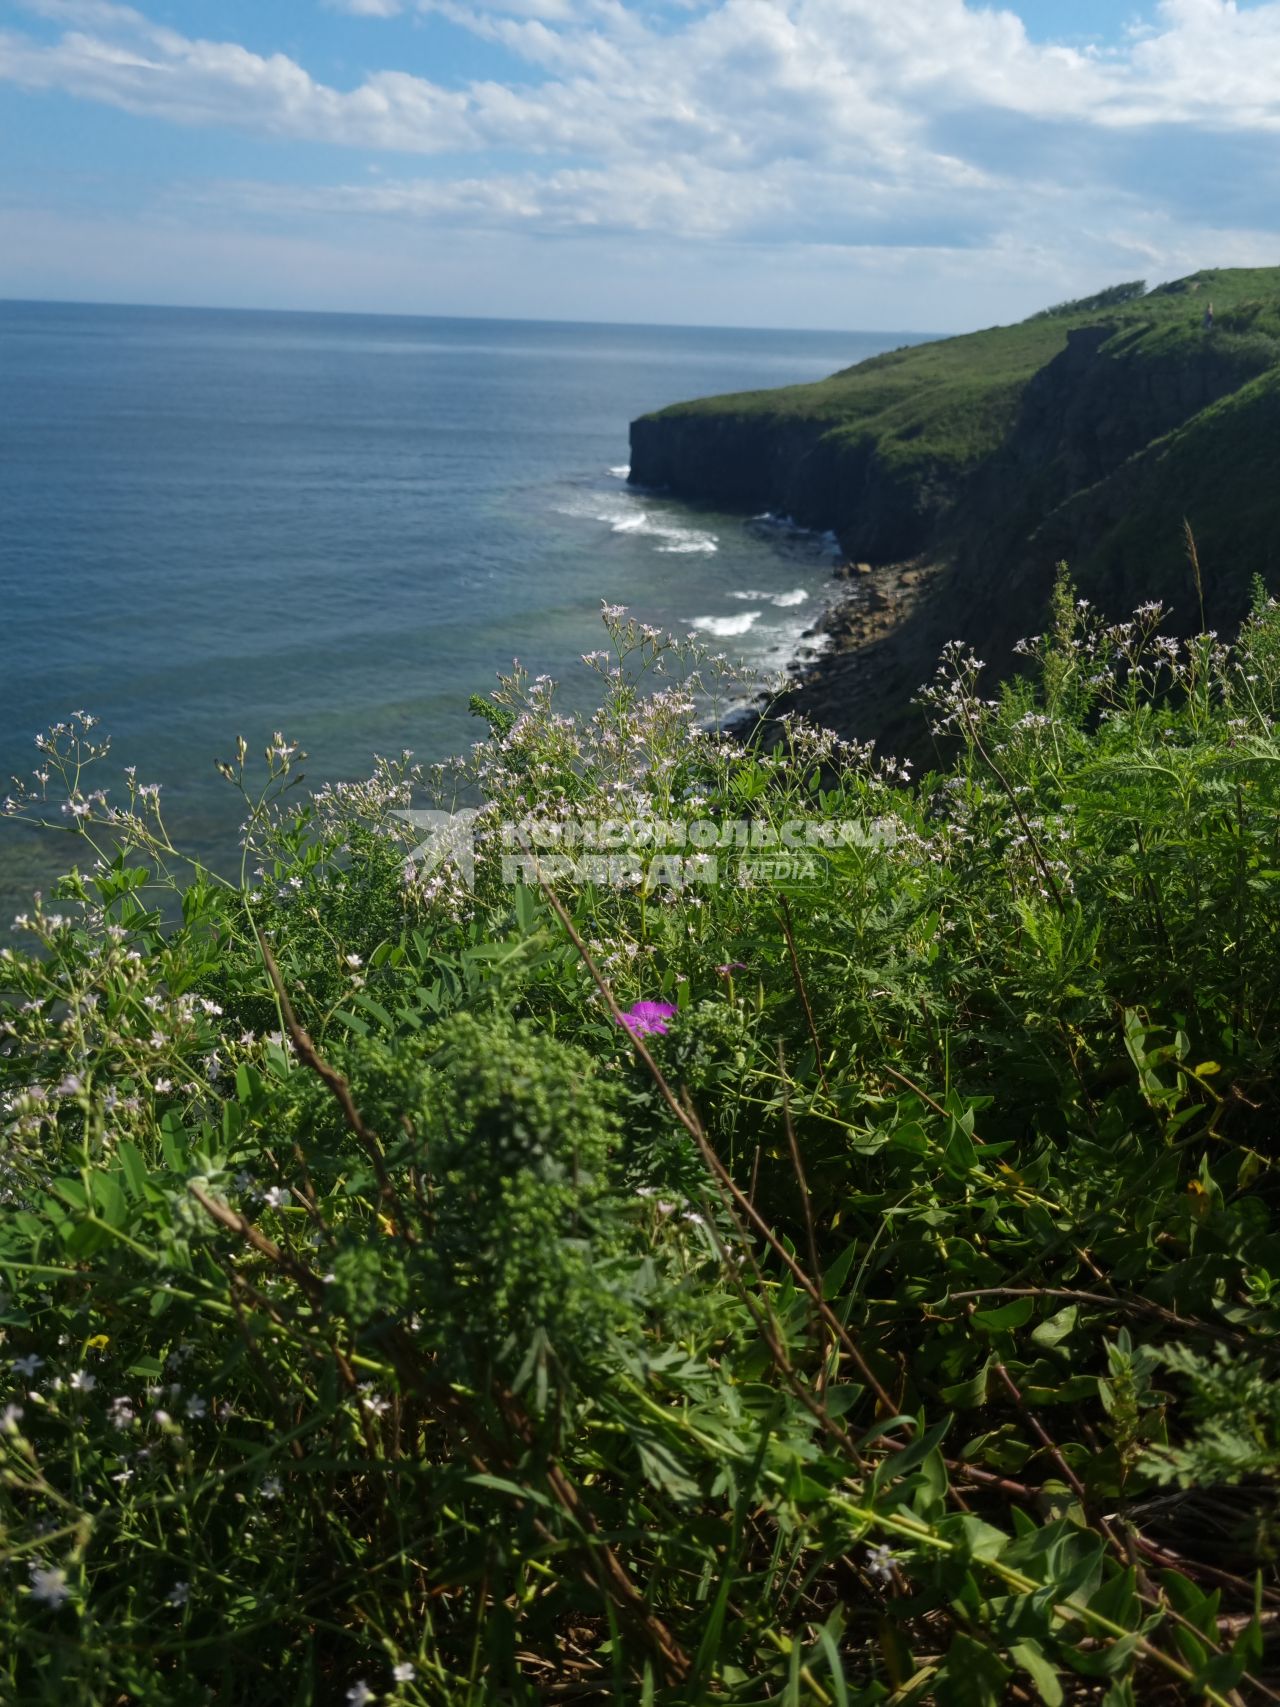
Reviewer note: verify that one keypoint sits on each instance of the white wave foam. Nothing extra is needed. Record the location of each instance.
(725, 627)
(630, 521)
(674, 537)
(780, 601)
(622, 471)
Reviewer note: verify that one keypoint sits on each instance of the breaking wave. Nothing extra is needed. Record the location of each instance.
(672, 537)
(725, 627)
(780, 601)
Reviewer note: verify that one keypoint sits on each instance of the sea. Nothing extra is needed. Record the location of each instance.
(339, 526)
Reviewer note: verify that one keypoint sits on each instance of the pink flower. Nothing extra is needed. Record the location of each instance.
(641, 1018)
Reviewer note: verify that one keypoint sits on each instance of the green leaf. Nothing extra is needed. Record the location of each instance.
(1117, 1598)
(1011, 1315)
(1054, 1329)
(135, 1169)
(368, 1005)
(827, 1642)
(72, 1191)
(975, 1675)
(173, 1142)
(248, 1084)
(500, 1485)
(979, 1540)
(960, 1156)
(109, 1199)
(1030, 1656)
(967, 1395)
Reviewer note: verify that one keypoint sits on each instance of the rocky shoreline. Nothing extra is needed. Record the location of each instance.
(882, 639)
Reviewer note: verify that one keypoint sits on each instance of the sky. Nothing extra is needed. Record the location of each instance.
(927, 165)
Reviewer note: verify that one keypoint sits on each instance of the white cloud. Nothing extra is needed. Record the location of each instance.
(744, 81)
(844, 124)
(92, 13)
(159, 73)
(1207, 61)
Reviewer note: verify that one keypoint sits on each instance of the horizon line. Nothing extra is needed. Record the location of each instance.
(492, 319)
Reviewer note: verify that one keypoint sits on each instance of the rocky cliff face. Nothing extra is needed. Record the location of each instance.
(812, 471)
(1000, 455)
(1083, 417)
(1119, 421)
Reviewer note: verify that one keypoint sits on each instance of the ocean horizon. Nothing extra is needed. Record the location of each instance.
(219, 522)
(898, 336)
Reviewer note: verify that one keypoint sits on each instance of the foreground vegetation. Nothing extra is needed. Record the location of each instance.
(856, 1290)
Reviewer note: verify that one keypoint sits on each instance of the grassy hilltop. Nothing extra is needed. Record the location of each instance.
(1087, 431)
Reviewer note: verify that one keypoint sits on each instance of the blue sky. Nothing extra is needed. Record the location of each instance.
(892, 164)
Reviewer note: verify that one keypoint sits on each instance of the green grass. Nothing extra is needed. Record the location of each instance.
(947, 406)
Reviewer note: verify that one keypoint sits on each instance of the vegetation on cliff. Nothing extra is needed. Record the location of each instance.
(849, 1289)
(1088, 432)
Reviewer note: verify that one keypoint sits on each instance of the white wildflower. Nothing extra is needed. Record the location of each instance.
(49, 1586)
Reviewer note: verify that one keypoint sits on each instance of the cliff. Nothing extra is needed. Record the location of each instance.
(1086, 433)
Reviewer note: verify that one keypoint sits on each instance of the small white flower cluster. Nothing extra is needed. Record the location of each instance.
(667, 1207)
(951, 697)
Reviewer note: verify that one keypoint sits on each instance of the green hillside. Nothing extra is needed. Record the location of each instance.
(955, 400)
(1092, 427)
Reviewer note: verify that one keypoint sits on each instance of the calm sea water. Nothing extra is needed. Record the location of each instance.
(215, 523)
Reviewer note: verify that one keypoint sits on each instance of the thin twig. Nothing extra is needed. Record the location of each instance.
(797, 974)
(1055, 1452)
(1137, 1306)
(609, 1573)
(311, 1057)
(806, 1201)
(235, 1223)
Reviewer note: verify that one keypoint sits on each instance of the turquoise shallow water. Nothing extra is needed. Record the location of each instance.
(215, 523)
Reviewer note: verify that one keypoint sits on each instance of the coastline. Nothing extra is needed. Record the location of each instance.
(877, 644)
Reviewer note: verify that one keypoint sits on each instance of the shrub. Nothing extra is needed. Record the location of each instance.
(833, 1288)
